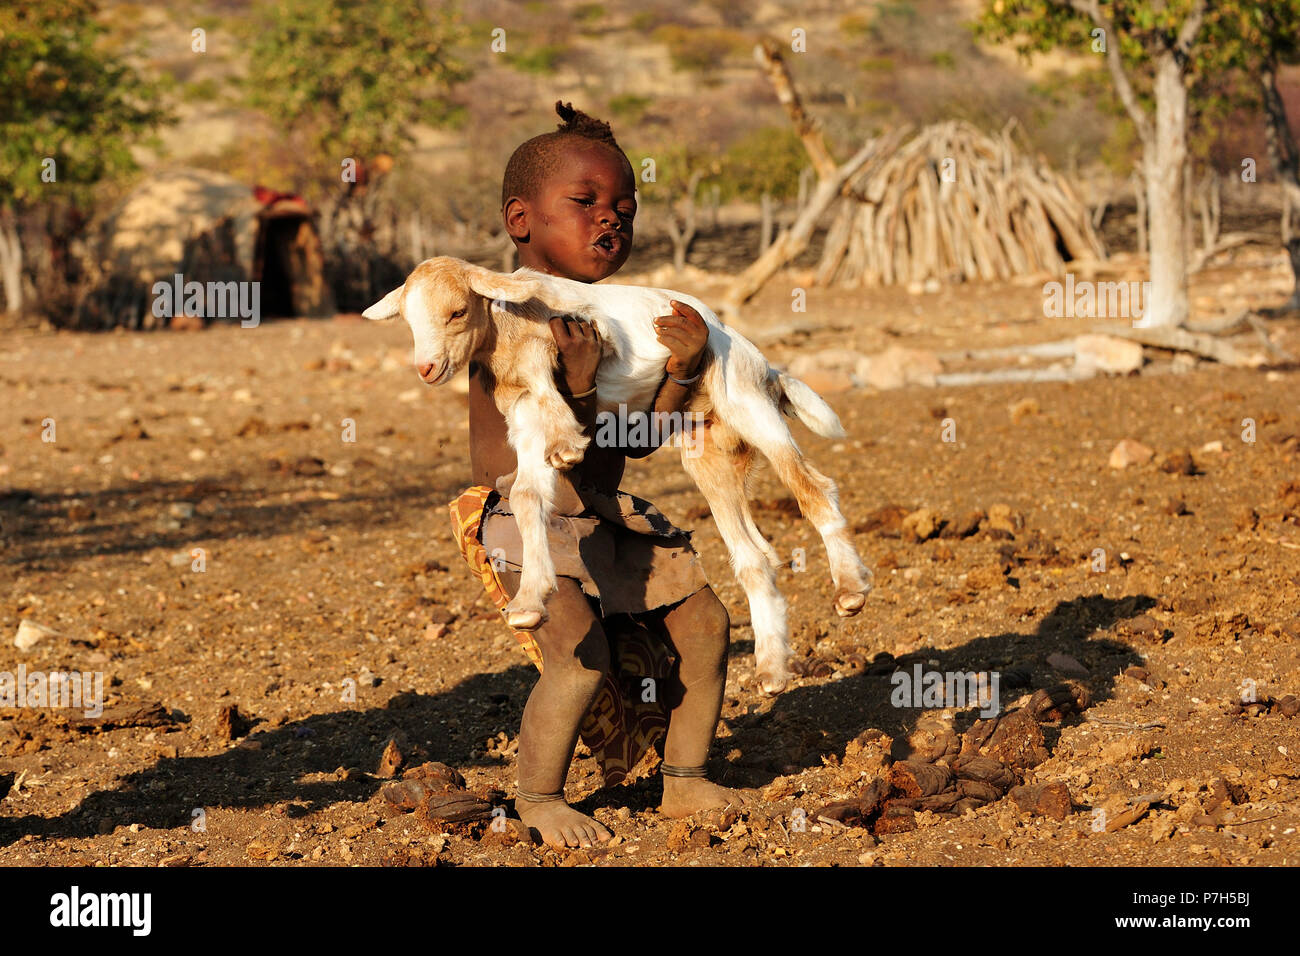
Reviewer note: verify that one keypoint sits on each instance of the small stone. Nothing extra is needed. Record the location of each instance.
(1130, 452)
(1106, 353)
(897, 366)
(1067, 665)
(1023, 409)
(31, 633)
(231, 723)
(1002, 518)
(390, 762)
(1178, 463)
(920, 525)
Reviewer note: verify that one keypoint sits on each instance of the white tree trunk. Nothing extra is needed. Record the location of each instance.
(1164, 161)
(11, 262)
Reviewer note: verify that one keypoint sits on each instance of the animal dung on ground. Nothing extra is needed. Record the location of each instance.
(916, 779)
(1048, 799)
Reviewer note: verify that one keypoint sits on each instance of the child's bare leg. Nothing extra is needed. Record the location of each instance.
(699, 631)
(575, 657)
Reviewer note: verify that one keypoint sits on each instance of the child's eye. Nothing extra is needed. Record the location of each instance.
(579, 199)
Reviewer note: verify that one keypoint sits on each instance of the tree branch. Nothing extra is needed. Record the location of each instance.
(1092, 10)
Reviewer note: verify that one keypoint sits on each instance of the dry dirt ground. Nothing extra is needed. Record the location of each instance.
(326, 561)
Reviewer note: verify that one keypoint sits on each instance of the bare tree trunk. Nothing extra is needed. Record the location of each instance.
(765, 225)
(1164, 159)
(795, 239)
(11, 261)
(683, 234)
(1164, 153)
(1140, 196)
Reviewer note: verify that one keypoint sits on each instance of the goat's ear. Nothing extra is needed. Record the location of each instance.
(385, 308)
(494, 285)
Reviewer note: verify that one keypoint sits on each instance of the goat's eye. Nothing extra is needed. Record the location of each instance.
(458, 314)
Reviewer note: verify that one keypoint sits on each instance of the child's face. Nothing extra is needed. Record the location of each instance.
(580, 225)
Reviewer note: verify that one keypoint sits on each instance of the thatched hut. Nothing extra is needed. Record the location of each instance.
(208, 228)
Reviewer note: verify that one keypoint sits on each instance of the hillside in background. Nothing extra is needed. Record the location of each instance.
(680, 73)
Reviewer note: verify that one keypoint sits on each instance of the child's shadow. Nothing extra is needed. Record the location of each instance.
(269, 766)
(808, 723)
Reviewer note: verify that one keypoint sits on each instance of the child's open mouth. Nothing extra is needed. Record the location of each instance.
(608, 245)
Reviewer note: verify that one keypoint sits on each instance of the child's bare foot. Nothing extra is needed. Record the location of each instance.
(686, 795)
(560, 825)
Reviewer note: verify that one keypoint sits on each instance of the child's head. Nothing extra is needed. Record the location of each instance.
(568, 199)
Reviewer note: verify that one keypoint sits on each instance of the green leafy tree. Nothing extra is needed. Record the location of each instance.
(72, 108)
(1153, 50)
(351, 80)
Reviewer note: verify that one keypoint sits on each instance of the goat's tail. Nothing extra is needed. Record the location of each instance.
(802, 402)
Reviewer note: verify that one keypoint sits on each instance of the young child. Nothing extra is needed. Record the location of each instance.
(568, 201)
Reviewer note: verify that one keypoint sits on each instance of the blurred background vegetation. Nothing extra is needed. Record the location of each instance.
(435, 95)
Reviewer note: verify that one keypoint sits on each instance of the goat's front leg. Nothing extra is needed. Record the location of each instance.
(536, 426)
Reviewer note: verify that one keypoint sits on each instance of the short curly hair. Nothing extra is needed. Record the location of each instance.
(535, 160)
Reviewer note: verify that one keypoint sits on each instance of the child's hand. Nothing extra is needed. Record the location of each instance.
(685, 335)
(579, 347)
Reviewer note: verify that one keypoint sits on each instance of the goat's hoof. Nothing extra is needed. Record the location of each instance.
(564, 460)
(773, 684)
(849, 603)
(522, 620)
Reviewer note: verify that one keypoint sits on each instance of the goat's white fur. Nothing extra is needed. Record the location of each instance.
(742, 396)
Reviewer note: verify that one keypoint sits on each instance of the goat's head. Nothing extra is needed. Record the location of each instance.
(446, 302)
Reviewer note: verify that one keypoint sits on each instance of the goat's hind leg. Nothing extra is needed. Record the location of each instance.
(717, 462)
(818, 499)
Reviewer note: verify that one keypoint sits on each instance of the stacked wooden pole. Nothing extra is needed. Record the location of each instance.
(954, 204)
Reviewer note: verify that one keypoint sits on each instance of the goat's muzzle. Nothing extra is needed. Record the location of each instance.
(427, 372)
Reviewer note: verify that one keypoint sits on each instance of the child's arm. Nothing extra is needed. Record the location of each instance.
(685, 335)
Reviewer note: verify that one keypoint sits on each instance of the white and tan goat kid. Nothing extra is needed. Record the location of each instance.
(458, 312)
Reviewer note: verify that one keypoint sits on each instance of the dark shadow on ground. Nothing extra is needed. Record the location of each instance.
(803, 725)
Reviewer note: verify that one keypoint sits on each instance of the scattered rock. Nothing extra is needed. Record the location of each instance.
(963, 527)
(231, 724)
(1106, 353)
(1067, 665)
(1130, 452)
(390, 761)
(887, 522)
(125, 715)
(1002, 518)
(1178, 463)
(1023, 409)
(920, 525)
(897, 366)
(31, 633)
